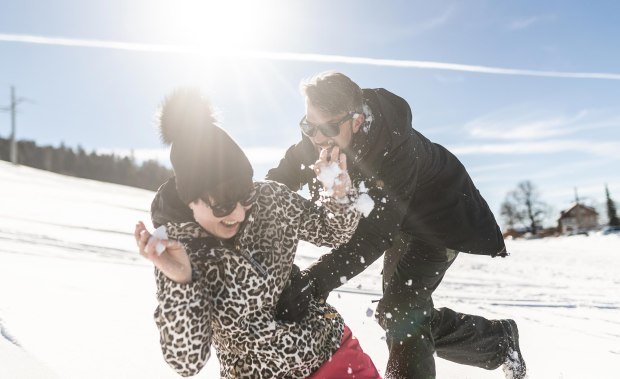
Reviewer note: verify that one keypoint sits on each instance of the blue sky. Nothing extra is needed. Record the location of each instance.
(94, 72)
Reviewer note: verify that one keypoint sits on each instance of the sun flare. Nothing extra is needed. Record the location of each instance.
(220, 25)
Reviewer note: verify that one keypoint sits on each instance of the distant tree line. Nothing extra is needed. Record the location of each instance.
(102, 167)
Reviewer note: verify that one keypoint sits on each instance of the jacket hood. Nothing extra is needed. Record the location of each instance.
(390, 116)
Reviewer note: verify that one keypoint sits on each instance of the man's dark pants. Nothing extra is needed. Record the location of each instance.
(415, 329)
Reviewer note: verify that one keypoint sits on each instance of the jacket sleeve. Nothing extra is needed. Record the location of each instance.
(391, 192)
(331, 223)
(293, 170)
(183, 317)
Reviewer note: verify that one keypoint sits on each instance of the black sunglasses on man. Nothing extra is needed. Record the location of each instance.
(330, 129)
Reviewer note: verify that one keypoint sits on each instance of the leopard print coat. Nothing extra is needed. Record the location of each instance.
(231, 300)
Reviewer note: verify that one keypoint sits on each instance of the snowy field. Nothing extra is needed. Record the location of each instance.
(76, 300)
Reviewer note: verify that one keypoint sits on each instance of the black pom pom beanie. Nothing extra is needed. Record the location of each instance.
(203, 155)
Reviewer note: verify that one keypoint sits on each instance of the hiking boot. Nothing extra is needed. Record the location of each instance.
(514, 365)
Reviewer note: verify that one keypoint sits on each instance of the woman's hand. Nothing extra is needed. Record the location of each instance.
(172, 262)
(331, 170)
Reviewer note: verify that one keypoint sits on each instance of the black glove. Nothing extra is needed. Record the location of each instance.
(295, 298)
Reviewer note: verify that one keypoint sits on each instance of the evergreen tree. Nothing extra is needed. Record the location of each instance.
(611, 209)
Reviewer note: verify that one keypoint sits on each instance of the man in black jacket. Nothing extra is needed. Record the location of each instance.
(426, 210)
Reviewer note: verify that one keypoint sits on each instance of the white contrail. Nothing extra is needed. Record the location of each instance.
(300, 57)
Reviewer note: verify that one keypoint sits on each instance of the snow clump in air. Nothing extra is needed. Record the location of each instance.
(364, 203)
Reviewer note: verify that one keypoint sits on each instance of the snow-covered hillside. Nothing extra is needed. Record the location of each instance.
(78, 300)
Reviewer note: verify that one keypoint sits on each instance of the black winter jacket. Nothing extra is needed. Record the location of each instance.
(418, 187)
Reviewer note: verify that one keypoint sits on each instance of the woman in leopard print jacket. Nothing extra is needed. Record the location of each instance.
(229, 254)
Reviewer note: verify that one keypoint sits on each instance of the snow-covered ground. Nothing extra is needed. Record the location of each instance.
(76, 300)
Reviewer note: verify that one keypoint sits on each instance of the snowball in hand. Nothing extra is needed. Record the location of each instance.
(329, 174)
(160, 233)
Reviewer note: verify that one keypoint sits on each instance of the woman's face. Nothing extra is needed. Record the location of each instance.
(224, 227)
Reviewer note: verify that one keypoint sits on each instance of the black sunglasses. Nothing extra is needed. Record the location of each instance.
(330, 129)
(224, 209)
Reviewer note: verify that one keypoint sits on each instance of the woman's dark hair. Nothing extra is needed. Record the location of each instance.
(228, 191)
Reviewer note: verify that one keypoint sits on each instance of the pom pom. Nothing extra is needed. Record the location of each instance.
(184, 115)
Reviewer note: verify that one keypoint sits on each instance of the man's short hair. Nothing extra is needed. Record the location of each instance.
(333, 93)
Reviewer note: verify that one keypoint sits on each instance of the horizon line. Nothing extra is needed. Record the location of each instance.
(299, 57)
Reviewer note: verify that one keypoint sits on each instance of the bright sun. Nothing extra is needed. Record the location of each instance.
(221, 24)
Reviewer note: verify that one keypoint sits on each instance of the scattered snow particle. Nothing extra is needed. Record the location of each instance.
(343, 279)
(367, 118)
(362, 188)
(364, 204)
(388, 315)
(409, 282)
(349, 371)
(362, 260)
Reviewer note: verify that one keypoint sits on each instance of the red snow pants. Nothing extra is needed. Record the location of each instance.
(349, 361)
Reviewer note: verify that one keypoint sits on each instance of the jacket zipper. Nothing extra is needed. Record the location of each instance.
(261, 270)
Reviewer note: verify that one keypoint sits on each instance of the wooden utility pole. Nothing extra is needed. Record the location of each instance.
(13, 139)
(577, 211)
(576, 196)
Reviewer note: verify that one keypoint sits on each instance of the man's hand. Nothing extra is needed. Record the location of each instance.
(331, 170)
(172, 262)
(295, 298)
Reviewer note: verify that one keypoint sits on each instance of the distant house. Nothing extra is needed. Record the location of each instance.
(578, 218)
